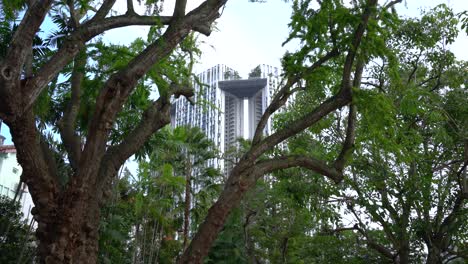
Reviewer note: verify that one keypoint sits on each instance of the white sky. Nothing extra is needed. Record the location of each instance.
(252, 33)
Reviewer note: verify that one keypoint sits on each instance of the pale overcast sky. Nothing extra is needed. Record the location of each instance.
(252, 33)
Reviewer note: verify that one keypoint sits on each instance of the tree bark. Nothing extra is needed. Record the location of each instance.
(72, 237)
(68, 219)
(208, 231)
(433, 256)
(403, 254)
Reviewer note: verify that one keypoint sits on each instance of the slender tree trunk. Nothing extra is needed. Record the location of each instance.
(284, 249)
(188, 200)
(403, 255)
(137, 239)
(248, 241)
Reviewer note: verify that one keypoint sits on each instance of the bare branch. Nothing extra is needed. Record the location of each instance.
(179, 10)
(130, 9)
(391, 4)
(388, 206)
(369, 241)
(74, 19)
(338, 230)
(415, 67)
(103, 10)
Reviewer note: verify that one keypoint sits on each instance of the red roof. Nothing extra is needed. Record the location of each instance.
(7, 149)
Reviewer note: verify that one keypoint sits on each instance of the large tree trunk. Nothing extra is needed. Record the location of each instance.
(433, 256)
(233, 193)
(67, 217)
(72, 236)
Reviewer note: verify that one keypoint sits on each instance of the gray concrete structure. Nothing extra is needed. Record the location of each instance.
(227, 108)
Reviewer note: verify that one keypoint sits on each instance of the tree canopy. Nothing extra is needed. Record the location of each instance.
(366, 162)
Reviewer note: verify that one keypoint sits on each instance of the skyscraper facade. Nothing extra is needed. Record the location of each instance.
(227, 107)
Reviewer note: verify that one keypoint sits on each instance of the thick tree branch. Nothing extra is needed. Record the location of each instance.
(74, 44)
(316, 165)
(119, 86)
(358, 34)
(180, 90)
(243, 176)
(22, 40)
(203, 11)
(391, 4)
(66, 125)
(338, 230)
(197, 19)
(39, 170)
(454, 215)
(299, 125)
(74, 18)
(348, 144)
(333, 103)
(153, 119)
(28, 64)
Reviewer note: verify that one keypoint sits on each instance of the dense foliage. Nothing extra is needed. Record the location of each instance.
(17, 242)
(367, 162)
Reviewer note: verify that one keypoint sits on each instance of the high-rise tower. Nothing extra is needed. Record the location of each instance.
(226, 107)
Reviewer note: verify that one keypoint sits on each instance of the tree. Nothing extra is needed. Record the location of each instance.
(408, 173)
(337, 42)
(149, 217)
(255, 72)
(16, 238)
(116, 244)
(405, 186)
(231, 75)
(86, 107)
